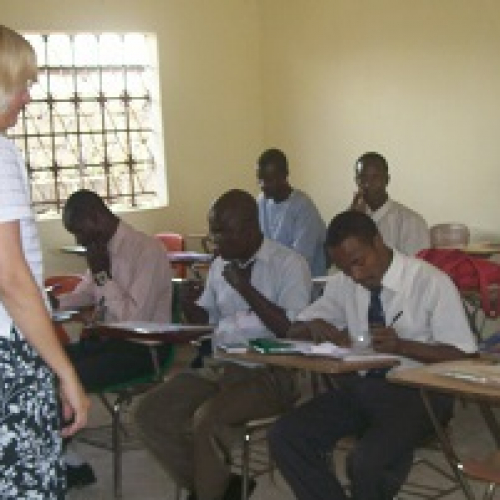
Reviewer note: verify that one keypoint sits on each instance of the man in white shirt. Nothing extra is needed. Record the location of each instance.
(401, 306)
(255, 288)
(288, 215)
(400, 227)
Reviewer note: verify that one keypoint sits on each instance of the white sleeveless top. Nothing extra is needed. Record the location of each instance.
(15, 204)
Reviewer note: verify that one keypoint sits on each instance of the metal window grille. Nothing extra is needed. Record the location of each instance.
(93, 120)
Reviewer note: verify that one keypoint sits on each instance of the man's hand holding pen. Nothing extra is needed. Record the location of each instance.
(384, 338)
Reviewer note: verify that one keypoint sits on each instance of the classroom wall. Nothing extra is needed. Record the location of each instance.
(211, 92)
(326, 80)
(416, 80)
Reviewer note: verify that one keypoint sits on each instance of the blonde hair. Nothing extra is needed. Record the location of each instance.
(17, 64)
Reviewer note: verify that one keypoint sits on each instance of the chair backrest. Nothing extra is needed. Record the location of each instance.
(451, 234)
(63, 283)
(174, 242)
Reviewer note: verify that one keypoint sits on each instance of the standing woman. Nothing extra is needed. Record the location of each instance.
(30, 354)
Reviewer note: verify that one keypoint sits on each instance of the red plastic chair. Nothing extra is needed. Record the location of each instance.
(174, 242)
(62, 284)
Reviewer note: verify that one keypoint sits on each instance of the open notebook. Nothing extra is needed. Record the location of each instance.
(327, 349)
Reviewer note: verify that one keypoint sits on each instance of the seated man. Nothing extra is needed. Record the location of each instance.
(129, 278)
(407, 308)
(401, 228)
(288, 215)
(255, 288)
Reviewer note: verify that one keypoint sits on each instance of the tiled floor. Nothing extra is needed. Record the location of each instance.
(143, 479)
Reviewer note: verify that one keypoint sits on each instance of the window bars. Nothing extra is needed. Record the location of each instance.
(93, 120)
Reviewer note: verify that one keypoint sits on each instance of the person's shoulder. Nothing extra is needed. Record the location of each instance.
(302, 198)
(423, 269)
(142, 240)
(276, 251)
(302, 202)
(404, 210)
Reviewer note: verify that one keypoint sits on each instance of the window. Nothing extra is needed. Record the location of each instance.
(94, 121)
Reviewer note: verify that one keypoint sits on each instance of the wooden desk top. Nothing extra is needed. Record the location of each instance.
(170, 333)
(482, 249)
(472, 379)
(320, 364)
(185, 257)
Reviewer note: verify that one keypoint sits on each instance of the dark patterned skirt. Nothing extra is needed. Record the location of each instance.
(30, 444)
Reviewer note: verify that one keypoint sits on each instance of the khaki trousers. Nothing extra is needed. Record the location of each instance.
(190, 422)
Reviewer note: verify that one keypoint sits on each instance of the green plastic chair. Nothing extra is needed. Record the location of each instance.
(115, 399)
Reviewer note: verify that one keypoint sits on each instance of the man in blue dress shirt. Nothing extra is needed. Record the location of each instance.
(288, 215)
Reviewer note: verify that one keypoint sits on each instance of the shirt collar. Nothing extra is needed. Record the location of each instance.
(263, 253)
(393, 277)
(378, 214)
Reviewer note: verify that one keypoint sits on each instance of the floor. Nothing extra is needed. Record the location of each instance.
(143, 479)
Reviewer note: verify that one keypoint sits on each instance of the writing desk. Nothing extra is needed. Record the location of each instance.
(318, 364)
(482, 249)
(170, 333)
(472, 379)
(150, 333)
(190, 259)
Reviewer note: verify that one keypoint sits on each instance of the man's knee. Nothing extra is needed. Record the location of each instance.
(152, 415)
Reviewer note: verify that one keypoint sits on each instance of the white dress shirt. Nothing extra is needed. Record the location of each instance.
(278, 273)
(401, 228)
(429, 303)
(15, 205)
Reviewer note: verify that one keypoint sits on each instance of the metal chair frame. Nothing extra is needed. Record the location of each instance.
(122, 437)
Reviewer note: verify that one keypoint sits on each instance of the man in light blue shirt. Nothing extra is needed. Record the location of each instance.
(288, 215)
(255, 288)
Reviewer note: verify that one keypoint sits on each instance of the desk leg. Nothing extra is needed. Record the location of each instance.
(473, 311)
(156, 362)
(448, 450)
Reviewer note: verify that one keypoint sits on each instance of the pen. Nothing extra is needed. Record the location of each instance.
(398, 315)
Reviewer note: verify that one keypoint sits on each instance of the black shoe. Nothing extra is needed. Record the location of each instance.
(235, 488)
(79, 476)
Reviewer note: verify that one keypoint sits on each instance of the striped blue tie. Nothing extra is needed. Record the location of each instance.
(376, 316)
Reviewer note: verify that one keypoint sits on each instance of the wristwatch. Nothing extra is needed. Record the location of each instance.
(101, 278)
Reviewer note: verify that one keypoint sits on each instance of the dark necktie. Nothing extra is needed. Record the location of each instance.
(376, 317)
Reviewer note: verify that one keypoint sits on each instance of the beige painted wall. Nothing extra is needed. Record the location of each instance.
(210, 86)
(416, 80)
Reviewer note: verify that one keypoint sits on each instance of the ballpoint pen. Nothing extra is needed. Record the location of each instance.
(398, 315)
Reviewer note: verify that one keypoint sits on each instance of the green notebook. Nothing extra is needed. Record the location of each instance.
(267, 345)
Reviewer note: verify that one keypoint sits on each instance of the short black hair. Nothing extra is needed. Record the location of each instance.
(275, 157)
(373, 158)
(348, 224)
(80, 204)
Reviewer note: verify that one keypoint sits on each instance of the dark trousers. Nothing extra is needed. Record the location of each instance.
(101, 363)
(388, 421)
